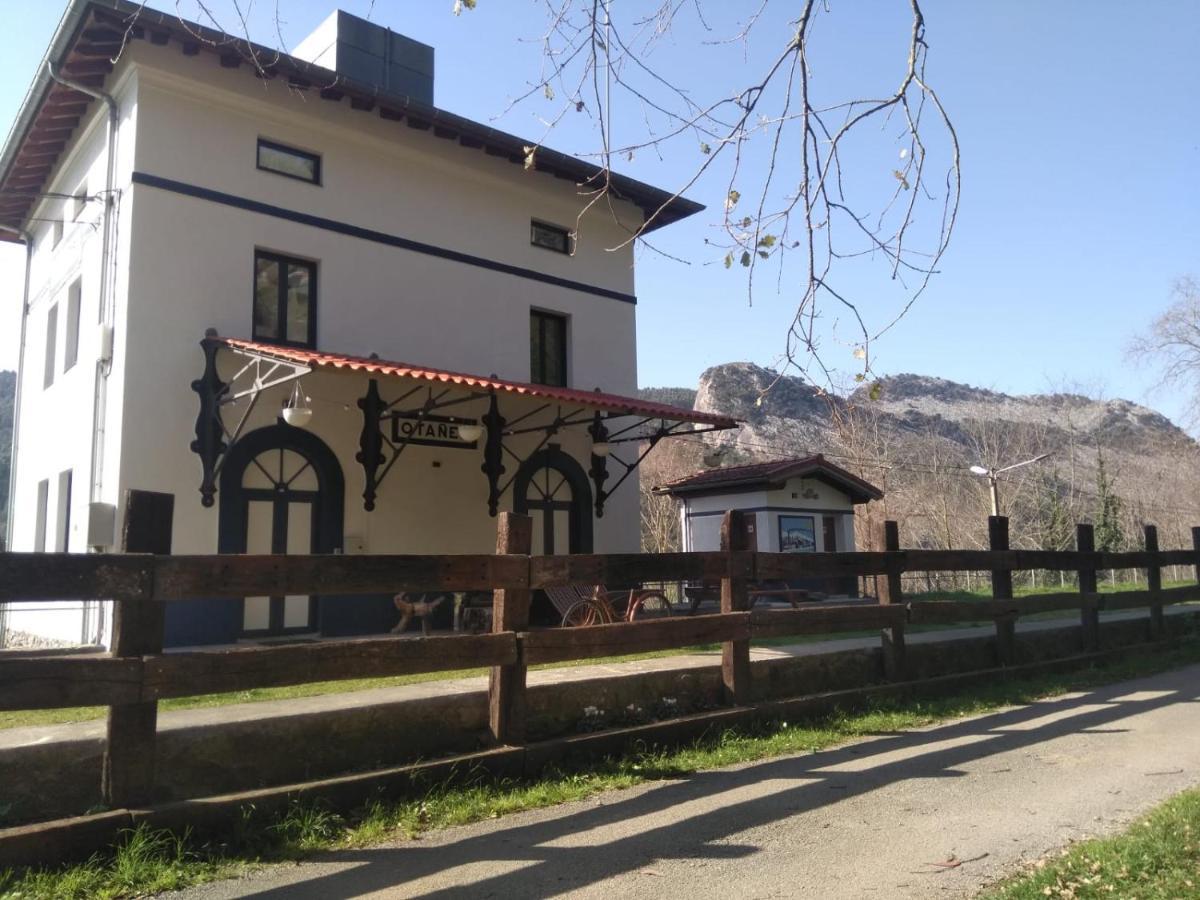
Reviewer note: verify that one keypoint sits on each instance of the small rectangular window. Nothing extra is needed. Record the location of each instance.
(549, 236)
(289, 161)
(39, 528)
(56, 232)
(547, 349)
(51, 342)
(62, 530)
(285, 300)
(71, 346)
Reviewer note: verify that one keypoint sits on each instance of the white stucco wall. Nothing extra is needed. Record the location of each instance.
(193, 269)
(57, 422)
(184, 264)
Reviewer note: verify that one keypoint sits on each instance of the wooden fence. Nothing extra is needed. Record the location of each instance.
(137, 674)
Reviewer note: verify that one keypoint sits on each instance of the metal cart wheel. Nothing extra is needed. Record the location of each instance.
(650, 605)
(586, 612)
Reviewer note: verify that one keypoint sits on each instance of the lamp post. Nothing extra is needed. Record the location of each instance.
(994, 480)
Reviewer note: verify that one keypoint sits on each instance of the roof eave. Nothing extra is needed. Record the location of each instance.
(660, 207)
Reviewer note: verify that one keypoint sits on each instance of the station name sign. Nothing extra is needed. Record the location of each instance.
(430, 430)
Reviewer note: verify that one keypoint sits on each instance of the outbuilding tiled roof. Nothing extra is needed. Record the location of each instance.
(772, 474)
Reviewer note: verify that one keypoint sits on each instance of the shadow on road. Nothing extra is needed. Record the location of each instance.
(560, 852)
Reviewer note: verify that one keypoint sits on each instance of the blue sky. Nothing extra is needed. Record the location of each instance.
(1081, 199)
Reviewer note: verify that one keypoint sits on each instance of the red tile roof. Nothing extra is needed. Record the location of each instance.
(590, 399)
(775, 472)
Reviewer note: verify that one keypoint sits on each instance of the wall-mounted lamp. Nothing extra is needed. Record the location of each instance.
(601, 448)
(296, 409)
(470, 433)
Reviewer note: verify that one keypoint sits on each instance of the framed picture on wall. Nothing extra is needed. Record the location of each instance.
(797, 534)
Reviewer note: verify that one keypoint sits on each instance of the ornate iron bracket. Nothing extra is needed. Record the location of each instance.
(599, 470)
(493, 453)
(209, 444)
(213, 437)
(370, 442)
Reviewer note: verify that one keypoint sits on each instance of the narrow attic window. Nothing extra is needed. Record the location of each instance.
(551, 237)
(289, 162)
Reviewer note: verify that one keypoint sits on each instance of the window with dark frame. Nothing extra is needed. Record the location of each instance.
(288, 161)
(551, 237)
(547, 349)
(285, 300)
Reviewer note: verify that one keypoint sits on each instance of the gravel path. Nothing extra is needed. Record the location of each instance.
(939, 812)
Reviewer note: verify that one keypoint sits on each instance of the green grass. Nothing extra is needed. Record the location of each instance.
(24, 718)
(1157, 858)
(149, 861)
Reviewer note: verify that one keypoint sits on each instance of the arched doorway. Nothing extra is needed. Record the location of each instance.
(282, 491)
(553, 490)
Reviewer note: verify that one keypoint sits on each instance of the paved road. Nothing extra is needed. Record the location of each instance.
(872, 819)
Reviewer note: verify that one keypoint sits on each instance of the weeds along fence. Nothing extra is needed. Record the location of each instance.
(136, 674)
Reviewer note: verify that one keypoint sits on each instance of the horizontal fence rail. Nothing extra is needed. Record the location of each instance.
(26, 577)
(137, 673)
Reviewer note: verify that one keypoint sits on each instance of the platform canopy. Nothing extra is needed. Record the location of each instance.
(511, 408)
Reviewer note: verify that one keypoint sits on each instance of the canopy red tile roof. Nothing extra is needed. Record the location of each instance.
(590, 399)
(773, 473)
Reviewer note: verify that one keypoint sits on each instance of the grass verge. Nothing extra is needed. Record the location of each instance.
(1157, 858)
(148, 860)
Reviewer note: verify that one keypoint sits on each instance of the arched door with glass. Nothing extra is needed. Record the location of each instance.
(549, 501)
(281, 491)
(553, 490)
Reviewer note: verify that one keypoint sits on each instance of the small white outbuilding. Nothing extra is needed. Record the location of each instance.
(801, 505)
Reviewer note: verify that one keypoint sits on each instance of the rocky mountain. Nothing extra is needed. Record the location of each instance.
(916, 436)
(791, 413)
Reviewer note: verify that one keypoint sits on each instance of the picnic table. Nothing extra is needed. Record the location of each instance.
(704, 593)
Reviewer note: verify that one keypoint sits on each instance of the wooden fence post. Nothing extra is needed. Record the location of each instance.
(127, 776)
(890, 590)
(735, 597)
(1089, 613)
(1006, 625)
(1196, 548)
(510, 612)
(1154, 585)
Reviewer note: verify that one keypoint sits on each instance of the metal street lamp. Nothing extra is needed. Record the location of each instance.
(994, 481)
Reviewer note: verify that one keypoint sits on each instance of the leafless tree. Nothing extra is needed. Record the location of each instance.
(786, 147)
(660, 512)
(1172, 344)
(781, 154)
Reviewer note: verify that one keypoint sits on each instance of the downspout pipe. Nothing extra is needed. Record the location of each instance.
(107, 314)
(16, 420)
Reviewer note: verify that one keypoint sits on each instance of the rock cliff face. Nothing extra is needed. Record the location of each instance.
(916, 437)
(795, 414)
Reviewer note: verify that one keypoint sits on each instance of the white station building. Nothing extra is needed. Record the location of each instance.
(285, 304)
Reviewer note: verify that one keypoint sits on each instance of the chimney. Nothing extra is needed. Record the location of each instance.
(371, 54)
